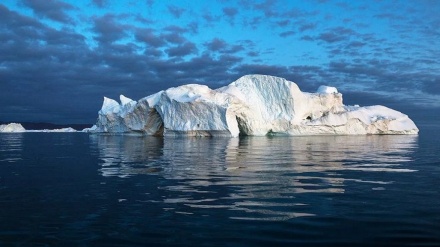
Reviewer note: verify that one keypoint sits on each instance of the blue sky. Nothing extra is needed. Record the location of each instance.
(59, 58)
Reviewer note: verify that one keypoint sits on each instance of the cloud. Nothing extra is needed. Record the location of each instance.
(182, 50)
(193, 27)
(108, 29)
(337, 34)
(173, 37)
(287, 34)
(307, 26)
(53, 9)
(230, 13)
(283, 23)
(220, 45)
(53, 73)
(149, 37)
(175, 11)
(100, 3)
(216, 44)
(267, 7)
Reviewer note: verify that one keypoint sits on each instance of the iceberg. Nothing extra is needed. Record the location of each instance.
(254, 105)
(11, 127)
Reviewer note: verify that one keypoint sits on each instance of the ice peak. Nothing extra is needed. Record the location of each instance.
(125, 100)
(110, 105)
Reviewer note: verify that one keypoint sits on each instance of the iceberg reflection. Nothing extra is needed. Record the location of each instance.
(262, 176)
(11, 147)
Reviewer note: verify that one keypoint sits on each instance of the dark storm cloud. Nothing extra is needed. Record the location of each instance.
(51, 9)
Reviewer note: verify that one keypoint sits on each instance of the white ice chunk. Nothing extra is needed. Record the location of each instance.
(11, 127)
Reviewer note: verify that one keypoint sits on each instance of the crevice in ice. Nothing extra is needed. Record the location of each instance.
(154, 125)
(242, 126)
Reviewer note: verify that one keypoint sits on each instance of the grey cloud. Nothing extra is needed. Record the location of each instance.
(287, 34)
(45, 71)
(209, 18)
(54, 10)
(230, 12)
(307, 38)
(336, 35)
(193, 27)
(100, 3)
(108, 29)
(185, 49)
(307, 26)
(216, 44)
(174, 38)
(219, 45)
(175, 11)
(149, 37)
(267, 7)
(283, 23)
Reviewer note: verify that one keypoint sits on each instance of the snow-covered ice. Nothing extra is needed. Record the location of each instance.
(252, 105)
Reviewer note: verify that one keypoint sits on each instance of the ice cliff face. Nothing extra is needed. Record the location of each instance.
(252, 105)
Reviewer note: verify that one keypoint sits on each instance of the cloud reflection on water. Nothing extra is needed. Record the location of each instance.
(257, 175)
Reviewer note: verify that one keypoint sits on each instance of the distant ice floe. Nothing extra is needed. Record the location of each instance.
(18, 128)
(254, 105)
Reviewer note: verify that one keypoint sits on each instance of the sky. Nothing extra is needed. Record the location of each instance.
(59, 58)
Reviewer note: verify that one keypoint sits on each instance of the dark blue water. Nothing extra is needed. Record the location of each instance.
(76, 189)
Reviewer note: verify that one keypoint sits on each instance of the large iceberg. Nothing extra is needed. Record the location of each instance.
(253, 105)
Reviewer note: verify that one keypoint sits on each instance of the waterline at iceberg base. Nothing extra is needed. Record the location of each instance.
(254, 105)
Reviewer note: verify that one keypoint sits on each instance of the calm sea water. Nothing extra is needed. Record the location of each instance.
(76, 189)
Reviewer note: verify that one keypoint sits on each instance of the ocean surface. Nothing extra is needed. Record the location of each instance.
(78, 189)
